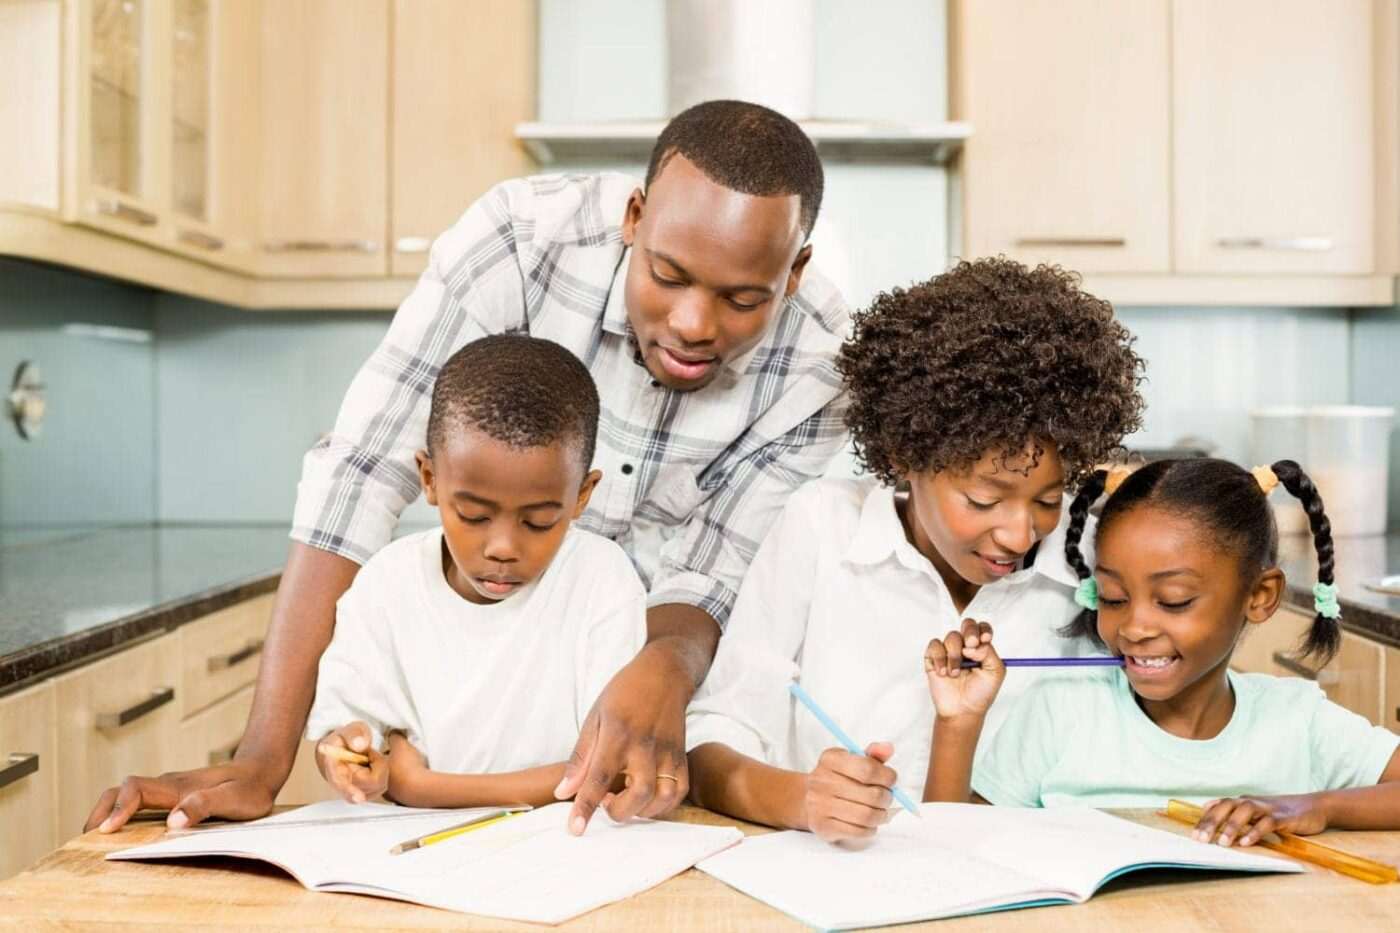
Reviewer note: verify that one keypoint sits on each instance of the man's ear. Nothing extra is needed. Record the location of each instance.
(632, 216)
(585, 490)
(1265, 596)
(425, 475)
(804, 256)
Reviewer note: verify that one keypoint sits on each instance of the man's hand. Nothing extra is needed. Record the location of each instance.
(636, 727)
(239, 790)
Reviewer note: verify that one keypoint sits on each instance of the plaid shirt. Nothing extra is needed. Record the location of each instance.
(691, 481)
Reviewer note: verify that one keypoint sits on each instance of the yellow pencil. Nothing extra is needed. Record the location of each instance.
(1305, 850)
(342, 754)
(476, 822)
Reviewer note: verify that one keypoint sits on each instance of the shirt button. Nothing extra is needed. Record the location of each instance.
(627, 469)
(656, 384)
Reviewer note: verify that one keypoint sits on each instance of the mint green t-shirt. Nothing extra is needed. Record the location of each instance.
(1084, 741)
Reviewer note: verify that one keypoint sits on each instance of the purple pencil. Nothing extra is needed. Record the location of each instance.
(1053, 662)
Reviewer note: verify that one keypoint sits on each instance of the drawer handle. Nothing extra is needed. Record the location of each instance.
(321, 246)
(110, 207)
(204, 240)
(222, 662)
(158, 698)
(1298, 244)
(1323, 678)
(224, 754)
(22, 764)
(1072, 241)
(412, 244)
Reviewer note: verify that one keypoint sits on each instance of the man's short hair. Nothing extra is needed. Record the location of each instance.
(746, 148)
(520, 390)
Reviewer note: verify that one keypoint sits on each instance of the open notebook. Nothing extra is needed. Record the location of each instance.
(960, 859)
(526, 867)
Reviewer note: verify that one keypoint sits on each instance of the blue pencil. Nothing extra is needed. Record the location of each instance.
(1051, 662)
(796, 690)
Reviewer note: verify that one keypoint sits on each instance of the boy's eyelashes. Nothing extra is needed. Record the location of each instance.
(483, 519)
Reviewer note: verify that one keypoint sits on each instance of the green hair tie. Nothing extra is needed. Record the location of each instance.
(1325, 600)
(1087, 594)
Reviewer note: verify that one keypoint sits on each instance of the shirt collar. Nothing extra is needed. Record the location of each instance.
(880, 535)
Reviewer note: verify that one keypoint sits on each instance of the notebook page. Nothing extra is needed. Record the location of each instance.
(907, 873)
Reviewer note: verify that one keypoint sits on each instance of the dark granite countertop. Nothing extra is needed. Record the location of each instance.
(1358, 561)
(68, 595)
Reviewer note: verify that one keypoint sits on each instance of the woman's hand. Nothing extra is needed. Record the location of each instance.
(1245, 820)
(959, 693)
(354, 781)
(848, 796)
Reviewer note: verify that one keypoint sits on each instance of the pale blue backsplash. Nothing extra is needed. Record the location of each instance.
(93, 460)
(1375, 380)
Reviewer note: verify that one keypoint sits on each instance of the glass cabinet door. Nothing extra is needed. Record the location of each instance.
(190, 75)
(116, 77)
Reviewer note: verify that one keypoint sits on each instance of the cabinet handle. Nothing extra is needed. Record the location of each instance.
(1322, 678)
(110, 207)
(195, 238)
(158, 698)
(1071, 241)
(1298, 244)
(220, 662)
(412, 244)
(22, 764)
(223, 754)
(321, 246)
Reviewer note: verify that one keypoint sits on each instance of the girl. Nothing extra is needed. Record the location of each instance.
(1187, 562)
(976, 399)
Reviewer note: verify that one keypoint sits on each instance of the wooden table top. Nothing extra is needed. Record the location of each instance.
(74, 888)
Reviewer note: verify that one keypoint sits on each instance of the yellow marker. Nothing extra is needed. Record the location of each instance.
(343, 754)
(477, 822)
(1302, 849)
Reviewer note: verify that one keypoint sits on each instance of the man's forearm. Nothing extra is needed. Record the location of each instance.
(684, 635)
(303, 620)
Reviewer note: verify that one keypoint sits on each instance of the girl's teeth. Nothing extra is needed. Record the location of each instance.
(1152, 662)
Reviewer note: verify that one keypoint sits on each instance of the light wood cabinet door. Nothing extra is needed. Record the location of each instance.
(212, 736)
(219, 654)
(324, 137)
(28, 778)
(463, 76)
(1354, 679)
(1069, 159)
(116, 717)
(1273, 136)
(1391, 709)
(305, 784)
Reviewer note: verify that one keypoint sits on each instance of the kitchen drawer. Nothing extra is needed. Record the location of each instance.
(219, 653)
(1353, 679)
(1391, 709)
(210, 737)
(1280, 635)
(116, 717)
(305, 784)
(28, 778)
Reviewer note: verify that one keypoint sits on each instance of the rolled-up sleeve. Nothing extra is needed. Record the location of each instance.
(705, 563)
(358, 479)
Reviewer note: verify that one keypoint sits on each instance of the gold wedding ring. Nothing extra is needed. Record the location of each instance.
(668, 777)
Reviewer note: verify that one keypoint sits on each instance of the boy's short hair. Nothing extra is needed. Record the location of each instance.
(989, 356)
(746, 148)
(517, 389)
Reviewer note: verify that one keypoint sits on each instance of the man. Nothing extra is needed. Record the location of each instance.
(713, 349)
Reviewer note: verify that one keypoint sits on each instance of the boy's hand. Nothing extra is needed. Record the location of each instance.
(354, 782)
(1245, 820)
(406, 764)
(848, 796)
(957, 692)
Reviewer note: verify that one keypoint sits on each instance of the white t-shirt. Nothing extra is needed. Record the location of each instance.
(479, 688)
(839, 599)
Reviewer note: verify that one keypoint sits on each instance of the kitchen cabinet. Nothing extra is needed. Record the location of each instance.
(220, 652)
(211, 736)
(116, 717)
(305, 784)
(1391, 710)
(28, 778)
(323, 169)
(1273, 139)
(1068, 161)
(463, 77)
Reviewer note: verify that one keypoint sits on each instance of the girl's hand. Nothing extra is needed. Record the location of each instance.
(406, 765)
(1245, 820)
(957, 692)
(848, 796)
(355, 782)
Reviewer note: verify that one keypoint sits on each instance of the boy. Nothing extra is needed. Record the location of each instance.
(484, 642)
